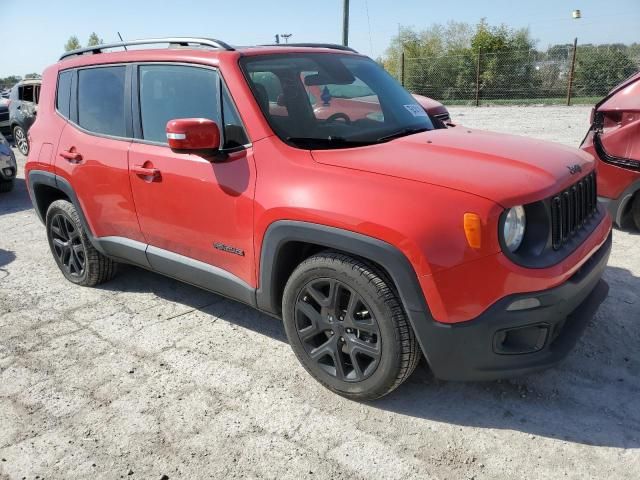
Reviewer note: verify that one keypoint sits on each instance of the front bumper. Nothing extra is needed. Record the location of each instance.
(506, 343)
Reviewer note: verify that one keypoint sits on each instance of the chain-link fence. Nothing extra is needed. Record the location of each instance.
(559, 75)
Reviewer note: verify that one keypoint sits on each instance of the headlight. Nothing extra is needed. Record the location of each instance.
(514, 226)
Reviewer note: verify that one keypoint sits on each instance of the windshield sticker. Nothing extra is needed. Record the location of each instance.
(416, 110)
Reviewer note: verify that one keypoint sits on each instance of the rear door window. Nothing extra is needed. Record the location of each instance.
(101, 106)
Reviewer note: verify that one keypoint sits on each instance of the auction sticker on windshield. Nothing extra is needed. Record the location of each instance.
(416, 110)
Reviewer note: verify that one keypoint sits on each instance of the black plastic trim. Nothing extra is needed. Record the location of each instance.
(395, 263)
(35, 178)
(200, 274)
(125, 250)
(622, 162)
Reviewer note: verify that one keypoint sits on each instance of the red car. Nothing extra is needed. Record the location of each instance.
(377, 239)
(614, 139)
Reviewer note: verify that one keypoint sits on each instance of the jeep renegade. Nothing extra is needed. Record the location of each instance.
(303, 180)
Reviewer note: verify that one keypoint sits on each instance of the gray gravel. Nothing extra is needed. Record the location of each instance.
(146, 377)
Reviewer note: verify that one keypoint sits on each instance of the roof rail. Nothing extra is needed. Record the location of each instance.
(180, 41)
(333, 46)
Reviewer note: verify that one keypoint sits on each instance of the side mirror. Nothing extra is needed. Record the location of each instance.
(193, 134)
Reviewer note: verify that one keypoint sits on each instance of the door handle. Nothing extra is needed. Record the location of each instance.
(149, 173)
(73, 157)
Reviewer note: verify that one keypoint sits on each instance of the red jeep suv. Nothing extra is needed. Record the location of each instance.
(377, 238)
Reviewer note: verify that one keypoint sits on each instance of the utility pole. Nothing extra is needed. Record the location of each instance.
(286, 36)
(345, 23)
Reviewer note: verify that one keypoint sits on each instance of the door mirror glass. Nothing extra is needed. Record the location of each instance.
(193, 134)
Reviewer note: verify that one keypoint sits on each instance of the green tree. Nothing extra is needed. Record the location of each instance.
(599, 69)
(10, 81)
(72, 44)
(441, 61)
(94, 40)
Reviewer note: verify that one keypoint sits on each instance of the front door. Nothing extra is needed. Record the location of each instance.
(192, 206)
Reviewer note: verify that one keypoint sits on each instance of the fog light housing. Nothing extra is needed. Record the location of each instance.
(8, 172)
(520, 340)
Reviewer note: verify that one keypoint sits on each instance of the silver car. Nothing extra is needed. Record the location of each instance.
(8, 166)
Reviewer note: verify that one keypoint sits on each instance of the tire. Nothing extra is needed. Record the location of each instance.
(346, 325)
(77, 259)
(6, 186)
(21, 140)
(635, 210)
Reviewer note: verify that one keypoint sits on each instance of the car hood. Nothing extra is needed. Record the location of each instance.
(507, 169)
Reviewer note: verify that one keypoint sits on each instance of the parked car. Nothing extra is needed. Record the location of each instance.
(23, 108)
(614, 139)
(5, 126)
(376, 240)
(345, 103)
(8, 166)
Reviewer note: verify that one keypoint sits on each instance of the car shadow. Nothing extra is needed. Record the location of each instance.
(590, 399)
(17, 200)
(139, 280)
(6, 257)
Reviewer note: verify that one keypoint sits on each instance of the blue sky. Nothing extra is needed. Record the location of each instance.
(36, 30)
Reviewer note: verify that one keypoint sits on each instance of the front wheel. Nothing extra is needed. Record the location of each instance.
(77, 259)
(21, 140)
(347, 326)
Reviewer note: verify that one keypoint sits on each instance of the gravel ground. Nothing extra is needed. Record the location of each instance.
(145, 377)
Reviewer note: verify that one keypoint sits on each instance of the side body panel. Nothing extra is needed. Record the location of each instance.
(101, 181)
(196, 205)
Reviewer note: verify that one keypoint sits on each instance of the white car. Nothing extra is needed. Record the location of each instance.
(8, 166)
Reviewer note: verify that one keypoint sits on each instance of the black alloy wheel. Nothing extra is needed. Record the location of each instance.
(67, 245)
(338, 330)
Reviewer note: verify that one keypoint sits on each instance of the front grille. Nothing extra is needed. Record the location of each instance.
(572, 208)
(443, 116)
(4, 116)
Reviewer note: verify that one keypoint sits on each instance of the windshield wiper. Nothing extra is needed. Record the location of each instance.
(335, 142)
(402, 133)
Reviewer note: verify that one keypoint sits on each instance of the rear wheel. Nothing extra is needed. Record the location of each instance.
(347, 326)
(6, 186)
(21, 140)
(77, 259)
(635, 210)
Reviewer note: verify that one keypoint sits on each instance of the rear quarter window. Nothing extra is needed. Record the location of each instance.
(101, 100)
(63, 93)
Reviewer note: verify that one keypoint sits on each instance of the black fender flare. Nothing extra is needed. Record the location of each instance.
(389, 257)
(41, 177)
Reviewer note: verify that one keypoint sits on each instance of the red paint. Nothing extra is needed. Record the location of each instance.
(620, 136)
(411, 192)
(193, 134)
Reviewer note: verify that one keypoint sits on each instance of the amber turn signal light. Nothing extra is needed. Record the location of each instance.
(473, 230)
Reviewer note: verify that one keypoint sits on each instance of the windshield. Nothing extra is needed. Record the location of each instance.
(322, 100)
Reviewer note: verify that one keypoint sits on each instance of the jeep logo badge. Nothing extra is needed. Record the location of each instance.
(573, 169)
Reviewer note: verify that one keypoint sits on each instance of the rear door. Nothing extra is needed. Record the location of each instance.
(93, 148)
(194, 207)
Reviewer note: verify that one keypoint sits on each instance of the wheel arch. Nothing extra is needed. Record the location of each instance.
(622, 205)
(286, 243)
(45, 188)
